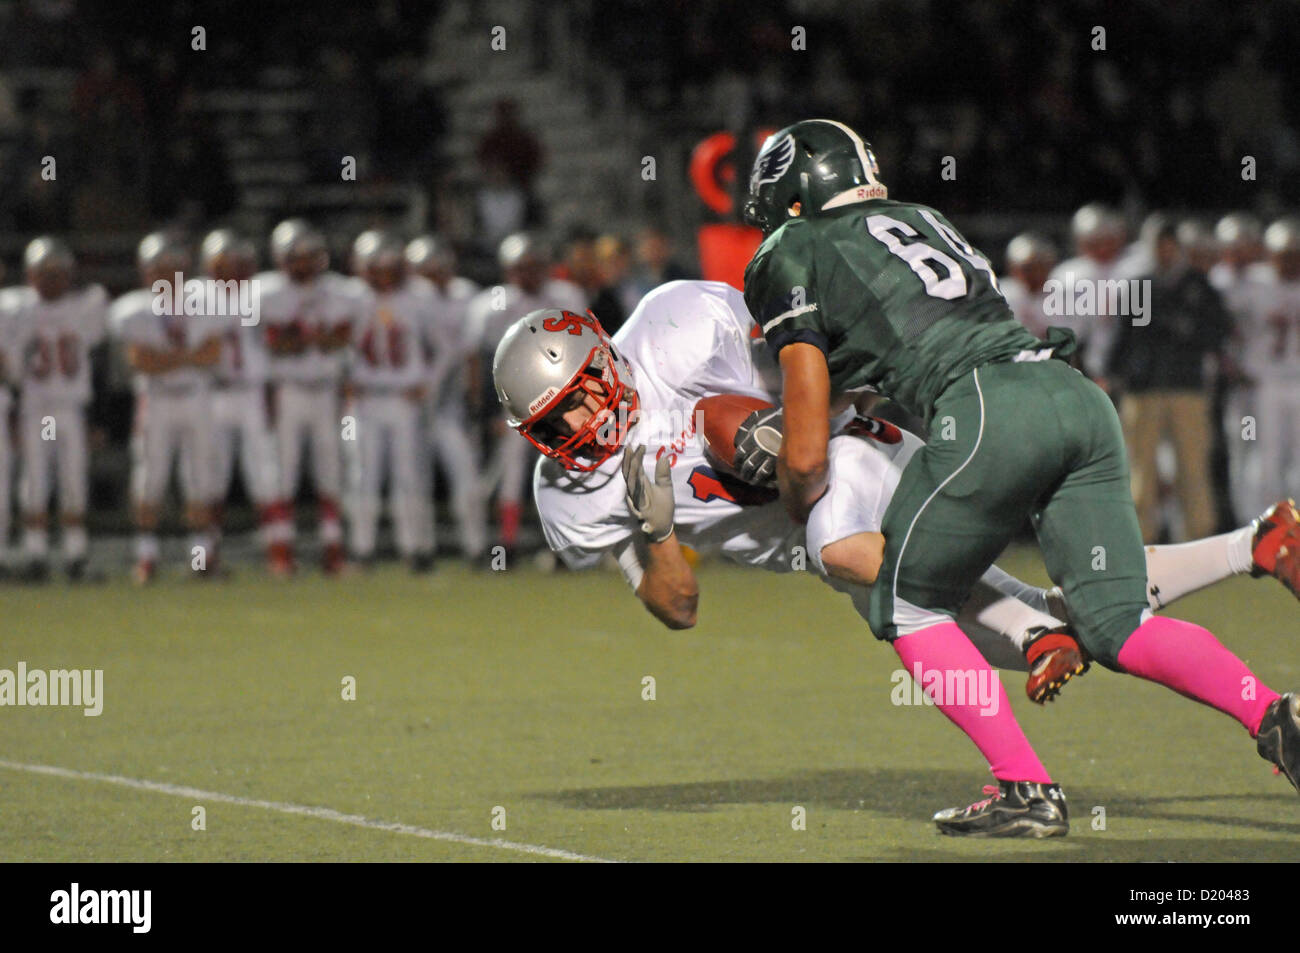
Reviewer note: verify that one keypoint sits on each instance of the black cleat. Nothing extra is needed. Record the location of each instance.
(422, 564)
(1014, 809)
(35, 572)
(1278, 740)
(78, 571)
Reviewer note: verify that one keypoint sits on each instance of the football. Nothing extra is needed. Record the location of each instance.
(718, 418)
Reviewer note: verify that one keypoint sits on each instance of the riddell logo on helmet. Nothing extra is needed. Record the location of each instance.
(542, 401)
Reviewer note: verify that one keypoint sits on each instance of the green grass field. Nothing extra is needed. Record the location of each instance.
(523, 690)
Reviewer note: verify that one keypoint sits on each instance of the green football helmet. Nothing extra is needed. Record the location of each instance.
(819, 163)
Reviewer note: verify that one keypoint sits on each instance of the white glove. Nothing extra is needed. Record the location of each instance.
(650, 501)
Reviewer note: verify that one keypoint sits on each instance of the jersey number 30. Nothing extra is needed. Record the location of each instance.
(925, 260)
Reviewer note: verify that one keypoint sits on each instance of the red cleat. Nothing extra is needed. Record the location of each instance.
(1054, 658)
(143, 572)
(1275, 546)
(280, 560)
(334, 561)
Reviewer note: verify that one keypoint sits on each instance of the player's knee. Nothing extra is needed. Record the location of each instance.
(854, 559)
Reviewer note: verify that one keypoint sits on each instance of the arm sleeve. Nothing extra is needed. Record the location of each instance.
(781, 290)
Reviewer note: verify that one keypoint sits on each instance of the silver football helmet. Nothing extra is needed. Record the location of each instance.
(294, 237)
(224, 248)
(162, 252)
(1238, 228)
(47, 252)
(1096, 220)
(1283, 235)
(430, 253)
(545, 360)
(1027, 247)
(376, 248)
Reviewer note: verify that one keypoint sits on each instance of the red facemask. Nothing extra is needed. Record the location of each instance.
(603, 433)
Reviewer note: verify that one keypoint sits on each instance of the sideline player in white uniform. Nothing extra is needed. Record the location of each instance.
(596, 408)
(172, 355)
(1098, 234)
(454, 394)
(527, 289)
(1239, 235)
(389, 380)
(11, 300)
(54, 331)
(1030, 260)
(1270, 331)
(239, 417)
(308, 314)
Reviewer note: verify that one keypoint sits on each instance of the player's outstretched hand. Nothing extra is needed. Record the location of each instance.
(650, 501)
(758, 441)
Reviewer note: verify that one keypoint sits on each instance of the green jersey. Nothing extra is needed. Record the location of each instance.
(894, 297)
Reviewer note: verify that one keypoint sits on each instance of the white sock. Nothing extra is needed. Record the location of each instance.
(1175, 571)
(1009, 585)
(36, 542)
(1005, 614)
(75, 543)
(146, 547)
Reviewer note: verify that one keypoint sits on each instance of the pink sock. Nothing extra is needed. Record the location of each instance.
(1191, 661)
(943, 649)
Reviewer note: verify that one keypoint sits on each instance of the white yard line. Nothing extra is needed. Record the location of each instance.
(302, 810)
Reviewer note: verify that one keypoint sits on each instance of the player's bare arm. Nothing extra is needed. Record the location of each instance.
(806, 397)
(151, 360)
(668, 589)
(206, 354)
(335, 338)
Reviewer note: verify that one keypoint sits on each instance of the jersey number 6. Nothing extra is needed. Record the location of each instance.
(906, 243)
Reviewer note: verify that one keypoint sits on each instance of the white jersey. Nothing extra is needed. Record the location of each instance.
(319, 306)
(11, 357)
(1027, 305)
(1096, 333)
(687, 340)
(494, 309)
(389, 338)
(244, 360)
(132, 320)
(1234, 283)
(54, 339)
(447, 336)
(1269, 328)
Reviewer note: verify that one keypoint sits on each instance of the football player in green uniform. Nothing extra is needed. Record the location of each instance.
(854, 291)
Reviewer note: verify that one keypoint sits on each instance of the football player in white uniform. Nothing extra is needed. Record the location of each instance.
(598, 408)
(454, 391)
(54, 331)
(1030, 259)
(1269, 320)
(308, 313)
(10, 375)
(1098, 234)
(388, 380)
(527, 288)
(239, 417)
(1238, 235)
(172, 355)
